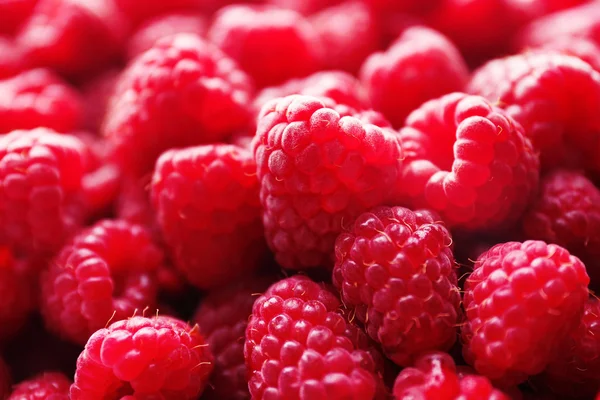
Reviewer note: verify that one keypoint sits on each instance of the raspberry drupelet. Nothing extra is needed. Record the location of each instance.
(45, 386)
(583, 48)
(318, 170)
(521, 301)
(181, 92)
(469, 161)
(395, 268)
(298, 346)
(143, 358)
(106, 273)
(208, 209)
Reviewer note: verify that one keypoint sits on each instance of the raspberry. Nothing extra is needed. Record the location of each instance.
(555, 97)
(435, 376)
(133, 203)
(180, 93)
(13, 60)
(297, 346)
(138, 12)
(521, 301)
(208, 209)
(420, 65)
(469, 161)
(579, 47)
(18, 298)
(223, 317)
(46, 386)
(271, 44)
(159, 357)
(40, 189)
(305, 7)
(107, 272)
(396, 269)
(162, 26)
(318, 169)
(349, 33)
(4, 380)
(38, 98)
(73, 37)
(96, 94)
(13, 14)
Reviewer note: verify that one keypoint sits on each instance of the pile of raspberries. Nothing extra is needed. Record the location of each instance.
(299, 199)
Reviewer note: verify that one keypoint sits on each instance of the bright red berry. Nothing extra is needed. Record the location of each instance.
(13, 59)
(106, 273)
(395, 268)
(13, 14)
(45, 386)
(522, 300)
(151, 358)
(138, 13)
(583, 48)
(208, 209)
(181, 92)
(318, 170)
(305, 7)
(297, 346)
(469, 161)
(271, 44)
(420, 65)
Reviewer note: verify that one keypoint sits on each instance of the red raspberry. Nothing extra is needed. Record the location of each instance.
(209, 211)
(138, 12)
(143, 358)
(435, 376)
(297, 346)
(13, 60)
(396, 269)
(554, 97)
(317, 170)
(469, 161)
(4, 380)
(96, 94)
(40, 192)
(223, 317)
(39, 98)
(107, 273)
(305, 7)
(420, 65)
(521, 301)
(349, 33)
(45, 386)
(133, 203)
(567, 213)
(162, 26)
(13, 14)
(181, 92)
(73, 37)
(271, 44)
(580, 47)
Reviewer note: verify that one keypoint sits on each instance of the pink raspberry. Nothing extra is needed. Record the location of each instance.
(150, 358)
(13, 59)
(223, 317)
(41, 176)
(179, 93)
(420, 65)
(13, 14)
(5, 380)
(271, 44)
(318, 170)
(106, 273)
(208, 209)
(522, 300)
(45, 386)
(395, 268)
(435, 376)
(469, 161)
(162, 26)
(37, 98)
(96, 94)
(554, 97)
(579, 47)
(297, 346)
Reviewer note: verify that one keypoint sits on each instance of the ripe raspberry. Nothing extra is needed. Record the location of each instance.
(13, 60)
(96, 94)
(223, 317)
(349, 33)
(162, 26)
(106, 272)
(554, 97)
(579, 47)
(46, 386)
(73, 37)
(435, 376)
(40, 192)
(158, 358)
(133, 203)
(37, 98)
(297, 346)
(13, 14)
(521, 301)
(271, 44)
(469, 161)
(420, 65)
(209, 212)
(305, 7)
(408, 309)
(318, 169)
(4, 380)
(138, 12)
(180, 93)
